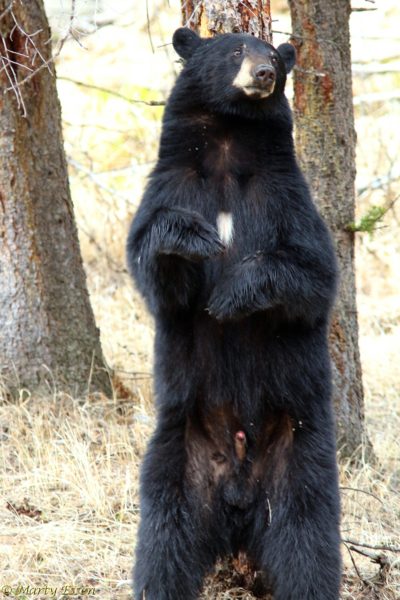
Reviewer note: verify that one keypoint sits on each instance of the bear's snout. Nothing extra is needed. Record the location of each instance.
(256, 77)
(264, 73)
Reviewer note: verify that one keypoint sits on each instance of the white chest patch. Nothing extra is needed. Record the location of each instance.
(225, 227)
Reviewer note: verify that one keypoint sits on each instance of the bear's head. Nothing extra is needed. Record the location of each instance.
(233, 68)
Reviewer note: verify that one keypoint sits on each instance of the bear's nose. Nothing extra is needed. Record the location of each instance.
(264, 73)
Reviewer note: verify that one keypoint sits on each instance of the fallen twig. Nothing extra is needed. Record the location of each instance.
(380, 559)
(388, 547)
(352, 489)
(361, 578)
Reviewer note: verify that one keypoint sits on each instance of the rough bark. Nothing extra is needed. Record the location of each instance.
(47, 329)
(325, 139)
(228, 16)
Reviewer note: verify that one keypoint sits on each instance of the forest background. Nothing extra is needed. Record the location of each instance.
(69, 487)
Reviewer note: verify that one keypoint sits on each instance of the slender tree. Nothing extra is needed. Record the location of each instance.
(325, 136)
(326, 143)
(208, 18)
(47, 328)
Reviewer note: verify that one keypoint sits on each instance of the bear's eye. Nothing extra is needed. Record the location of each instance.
(274, 59)
(237, 52)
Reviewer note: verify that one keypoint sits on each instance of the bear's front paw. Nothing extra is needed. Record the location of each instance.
(225, 302)
(241, 294)
(233, 307)
(203, 241)
(189, 235)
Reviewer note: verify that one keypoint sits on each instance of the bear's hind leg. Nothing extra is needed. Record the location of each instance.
(171, 562)
(306, 565)
(174, 552)
(301, 551)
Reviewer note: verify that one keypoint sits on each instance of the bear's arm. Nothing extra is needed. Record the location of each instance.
(166, 247)
(300, 277)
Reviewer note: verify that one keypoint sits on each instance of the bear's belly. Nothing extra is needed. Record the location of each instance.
(252, 364)
(232, 458)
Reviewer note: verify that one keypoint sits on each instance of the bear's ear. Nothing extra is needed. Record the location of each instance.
(288, 55)
(185, 42)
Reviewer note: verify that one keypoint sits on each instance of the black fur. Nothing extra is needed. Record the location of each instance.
(243, 456)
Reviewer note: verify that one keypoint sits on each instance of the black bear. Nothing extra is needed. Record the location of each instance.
(239, 271)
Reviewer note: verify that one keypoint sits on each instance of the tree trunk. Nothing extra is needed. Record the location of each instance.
(47, 331)
(228, 16)
(325, 139)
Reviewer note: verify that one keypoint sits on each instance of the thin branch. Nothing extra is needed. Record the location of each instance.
(18, 53)
(387, 548)
(7, 10)
(135, 374)
(95, 126)
(383, 60)
(113, 264)
(374, 69)
(148, 26)
(362, 492)
(113, 93)
(190, 19)
(380, 559)
(304, 37)
(31, 50)
(364, 581)
(12, 77)
(379, 182)
(28, 38)
(368, 222)
(72, 15)
(92, 176)
(376, 97)
(14, 62)
(45, 65)
(309, 71)
(376, 37)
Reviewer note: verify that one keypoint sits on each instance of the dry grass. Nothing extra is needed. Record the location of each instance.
(69, 503)
(69, 487)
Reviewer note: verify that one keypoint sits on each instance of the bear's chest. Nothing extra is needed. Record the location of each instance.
(221, 149)
(230, 165)
(227, 159)
(223, 159)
